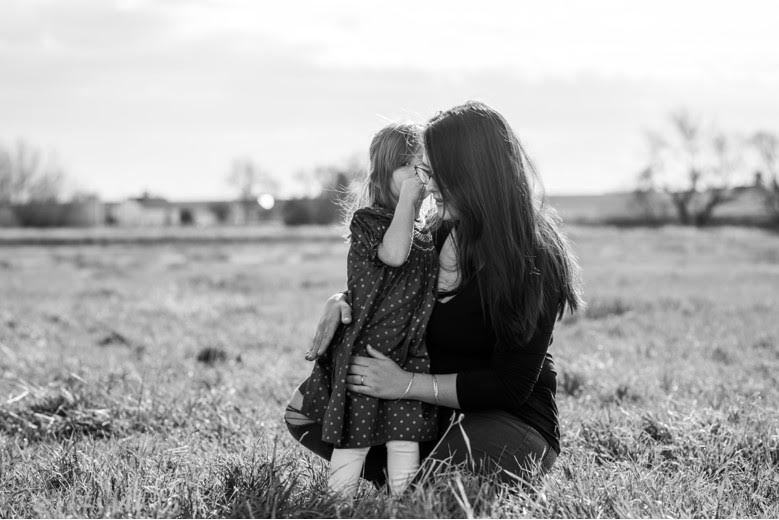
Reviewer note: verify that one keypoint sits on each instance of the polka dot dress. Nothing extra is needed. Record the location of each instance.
(390, 310)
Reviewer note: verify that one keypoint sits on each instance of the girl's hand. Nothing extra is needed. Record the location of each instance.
(377, 376)
(337, 311)
(411, 190)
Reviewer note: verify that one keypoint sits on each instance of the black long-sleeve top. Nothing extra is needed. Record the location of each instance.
(520, 378)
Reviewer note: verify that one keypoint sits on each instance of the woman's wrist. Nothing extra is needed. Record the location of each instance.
(422, 389)
(437, 389)
(409, 385)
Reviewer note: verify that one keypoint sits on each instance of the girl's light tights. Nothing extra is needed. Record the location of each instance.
(346, 467)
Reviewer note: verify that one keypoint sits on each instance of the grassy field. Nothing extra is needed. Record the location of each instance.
(149, 380)
(747, 208)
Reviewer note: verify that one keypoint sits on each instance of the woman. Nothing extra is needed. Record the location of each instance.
(506, 275)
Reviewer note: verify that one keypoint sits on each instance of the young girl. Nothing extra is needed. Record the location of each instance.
(391, 271)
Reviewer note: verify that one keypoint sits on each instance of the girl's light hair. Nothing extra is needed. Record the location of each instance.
(392, 147)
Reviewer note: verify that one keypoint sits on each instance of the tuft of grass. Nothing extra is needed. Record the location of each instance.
(766, 343)
(602, 308)
(721, 355)
(58, 413)
(656, 430)
(571, 383)
(211, 355)
(608, 444)
(114, 338)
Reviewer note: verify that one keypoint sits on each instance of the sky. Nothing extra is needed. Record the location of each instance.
(163, 95)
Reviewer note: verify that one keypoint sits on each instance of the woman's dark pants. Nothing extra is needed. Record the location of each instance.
(499, 443)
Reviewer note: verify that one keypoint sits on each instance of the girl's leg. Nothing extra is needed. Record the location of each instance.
(402, 464)
(309, 433)
(345, 470)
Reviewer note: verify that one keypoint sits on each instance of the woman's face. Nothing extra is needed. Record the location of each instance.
(445, 211)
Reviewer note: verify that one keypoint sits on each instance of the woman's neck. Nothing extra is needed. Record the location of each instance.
(448, 271)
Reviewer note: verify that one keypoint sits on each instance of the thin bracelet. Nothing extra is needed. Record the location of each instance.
(408, 388)
(435, 389)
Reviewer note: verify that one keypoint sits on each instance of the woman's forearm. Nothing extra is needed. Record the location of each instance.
(423, 389)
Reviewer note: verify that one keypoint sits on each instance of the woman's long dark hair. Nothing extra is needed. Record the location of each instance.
(522, 262)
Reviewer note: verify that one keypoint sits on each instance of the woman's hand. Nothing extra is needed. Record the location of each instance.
(377, 376)
(337, 311)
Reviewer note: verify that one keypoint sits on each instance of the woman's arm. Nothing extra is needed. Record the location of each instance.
(513, 376)
(378, 376)
(507, 385)
(337, 310)
(423, 389)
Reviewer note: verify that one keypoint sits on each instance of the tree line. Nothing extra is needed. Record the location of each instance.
(28, 175)
(325, 189)
(691, 170)
(698, 168)
(33, 184)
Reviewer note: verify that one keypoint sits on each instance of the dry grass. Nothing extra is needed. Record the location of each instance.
(149, 381)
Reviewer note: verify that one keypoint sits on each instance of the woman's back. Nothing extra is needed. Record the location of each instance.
(461, 339)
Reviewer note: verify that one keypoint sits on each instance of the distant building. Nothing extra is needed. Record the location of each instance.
(142, 212)
(156, 211)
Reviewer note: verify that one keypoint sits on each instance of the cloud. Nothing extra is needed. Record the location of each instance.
(164, 94)
(79, 26)
(665, 40)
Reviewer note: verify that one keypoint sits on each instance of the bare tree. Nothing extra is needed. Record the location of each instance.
(330, 180)
(694, 167)
(767, 146)
(337, 179)
(27, 176)
(326, 204)
(250, 181)
(307, 181)
(651, 203)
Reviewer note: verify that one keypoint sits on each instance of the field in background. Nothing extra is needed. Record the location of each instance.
(270, 232)
(150, 380)
(622, 209)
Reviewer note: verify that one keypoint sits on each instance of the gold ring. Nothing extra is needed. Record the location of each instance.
(362, 380)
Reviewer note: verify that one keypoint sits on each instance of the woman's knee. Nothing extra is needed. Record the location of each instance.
(292, 414)
(498, 442)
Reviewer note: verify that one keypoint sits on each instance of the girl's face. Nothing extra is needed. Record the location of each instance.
(445, 211)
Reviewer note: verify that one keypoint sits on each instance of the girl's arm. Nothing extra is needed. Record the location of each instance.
(396, 243)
